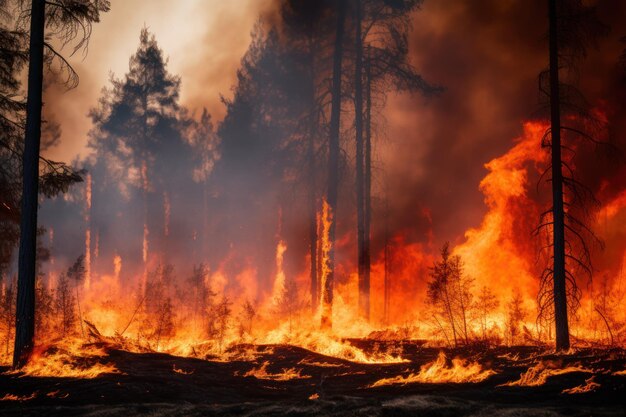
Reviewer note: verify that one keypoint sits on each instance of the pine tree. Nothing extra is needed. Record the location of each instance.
(141, 150)
(68, 21)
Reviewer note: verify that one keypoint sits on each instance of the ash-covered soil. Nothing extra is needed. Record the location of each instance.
(155, 384)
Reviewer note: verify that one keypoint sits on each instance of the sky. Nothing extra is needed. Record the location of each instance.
(203, 39)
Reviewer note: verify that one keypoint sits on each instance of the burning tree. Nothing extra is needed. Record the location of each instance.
(219, 321)
(65, 306)
(449, 292)
(157, 315)
(486, 303)
(246, 319)
(201, 293)
(515, 315)
(327, 287)
(288, 302)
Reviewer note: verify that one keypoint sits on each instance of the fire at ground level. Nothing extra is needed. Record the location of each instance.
(264, 380)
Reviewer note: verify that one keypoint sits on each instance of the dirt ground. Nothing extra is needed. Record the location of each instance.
(154, 384)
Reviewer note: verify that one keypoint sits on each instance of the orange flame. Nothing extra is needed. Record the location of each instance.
(438, 371)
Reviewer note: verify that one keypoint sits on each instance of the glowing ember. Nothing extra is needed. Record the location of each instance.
(13, 397)
(181, 371)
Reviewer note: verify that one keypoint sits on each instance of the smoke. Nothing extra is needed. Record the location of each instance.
(488, 56)
(430, 156)
(204, 41)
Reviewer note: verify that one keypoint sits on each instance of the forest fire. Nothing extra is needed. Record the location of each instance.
(344, 233)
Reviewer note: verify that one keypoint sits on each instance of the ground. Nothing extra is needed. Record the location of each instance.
(156, 384)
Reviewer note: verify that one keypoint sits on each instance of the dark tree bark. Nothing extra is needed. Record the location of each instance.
(558, 218)
(367, 204)
(312, 191)
(312, 224)
(312, 171)
(333, 166)
(25, 310)
(364, 287)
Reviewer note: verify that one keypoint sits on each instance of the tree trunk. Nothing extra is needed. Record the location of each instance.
(358, 124)
(25, 310)
(313, 253)
(367, 206)
(560, 296)
(333, 167)
(387, 272)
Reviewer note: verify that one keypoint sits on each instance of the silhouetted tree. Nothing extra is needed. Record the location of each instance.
(67, 20)
(7, 313)
(381, 61)
(246, 319)
(288, 302)
(486, 303)
(76, 274)
(306, 24)
(515, 315)
(142, 151)
(202, 294)
(219, 321)
(65, 305)
(333, 166)
(573, 27)
(449, 292)
(54, 177)
(157, 314)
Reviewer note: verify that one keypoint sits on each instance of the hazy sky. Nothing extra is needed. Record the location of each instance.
(204, 40)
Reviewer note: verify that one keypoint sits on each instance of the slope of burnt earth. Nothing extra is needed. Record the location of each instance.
(288, 380)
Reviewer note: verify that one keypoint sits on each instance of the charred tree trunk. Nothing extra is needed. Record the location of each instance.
(558, 217)
(25, 310)
(312, 226)
(333, 166)
(367, 203)
(387, 272)
(144, 193)
(313, 253)
(364, 291)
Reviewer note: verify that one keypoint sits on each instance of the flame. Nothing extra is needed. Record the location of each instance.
(498, 253)
(438, 372)
(279, 279)
(144, 251)
(286, 374)
(325, 220)
(13, 397)
(539, 374)
(181, 371)
(589, 386)
(492, 253)
(117, 267)
(68, 359)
